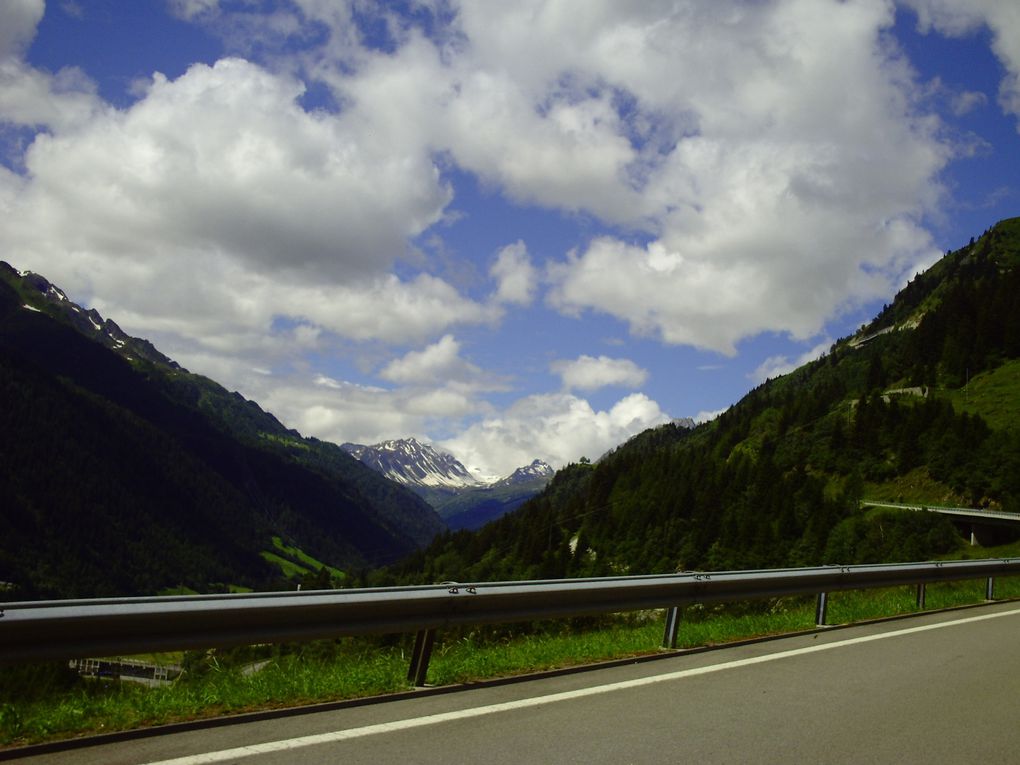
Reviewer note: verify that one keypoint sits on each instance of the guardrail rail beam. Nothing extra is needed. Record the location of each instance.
(43, 630)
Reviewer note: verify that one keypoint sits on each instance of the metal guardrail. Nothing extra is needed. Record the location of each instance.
(42, 630)
(975, 513)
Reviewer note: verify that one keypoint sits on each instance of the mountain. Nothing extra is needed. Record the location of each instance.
(123, 473)
(921, 405)
(474, 507)
(527, 475)
(413, 464)
(461, 499)
(87, 322)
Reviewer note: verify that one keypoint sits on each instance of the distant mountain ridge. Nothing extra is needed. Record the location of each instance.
(122, 473)
(414, 464)
(537, 470)
(89, 322)
(460, 498)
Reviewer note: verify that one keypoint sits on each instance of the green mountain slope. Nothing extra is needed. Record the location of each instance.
(921, 401)
(123, 476)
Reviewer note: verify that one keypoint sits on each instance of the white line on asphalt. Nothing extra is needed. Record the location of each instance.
(396, 725)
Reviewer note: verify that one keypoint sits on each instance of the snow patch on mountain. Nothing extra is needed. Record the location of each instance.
(537, 470)
(413, 463)
(89, 322)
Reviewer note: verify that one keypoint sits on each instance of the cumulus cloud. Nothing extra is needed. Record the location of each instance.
(224, 159)
(776, 366)
(339, 410)
(558, 428)
(967, 101)
(590, 373)
(752, 166)
(216, 204)
(33, 98)
(437, 362)
(768, 199)
(189, 9)
(515, 274)
(961, 17)
(18, 22)
(707, 416)
(762, 222)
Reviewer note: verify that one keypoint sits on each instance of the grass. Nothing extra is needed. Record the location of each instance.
(57, 704)
(288, 441)
(61, 707)
(993, 395)
(294, 563)
(916, 487)
(289, 568)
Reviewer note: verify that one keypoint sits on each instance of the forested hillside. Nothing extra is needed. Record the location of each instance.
(126, 476)
(920, 405)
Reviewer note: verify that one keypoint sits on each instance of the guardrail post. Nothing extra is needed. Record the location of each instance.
(820, 608)
(420, 657)
(990, 588)
(669, 636)
(921, 593)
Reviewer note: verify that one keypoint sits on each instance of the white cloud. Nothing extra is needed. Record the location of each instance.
(73, 9)
(707, 416)
(339, 411)
(385, 308)
(770, 199)
(18, 22)
(223, 159)
(38, 99)
(776, 366)
(34, 98)
(967, 101)
(438, 362)
(782, 201)
(515, 275)
(216, 204)
(961, 17)
(558, 428)
(590, 373)
(722, 129)
(191, 9)
(765, 165)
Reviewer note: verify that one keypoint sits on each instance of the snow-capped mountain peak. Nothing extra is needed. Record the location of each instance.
(536, 471)
(459, 496)
(48, 297)
(410, 462)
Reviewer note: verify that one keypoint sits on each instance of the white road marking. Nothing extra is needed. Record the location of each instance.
(397, 725)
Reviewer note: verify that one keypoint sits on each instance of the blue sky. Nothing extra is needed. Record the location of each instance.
(517, 230)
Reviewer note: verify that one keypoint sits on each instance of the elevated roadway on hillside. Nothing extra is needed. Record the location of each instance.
(934, 688)
(968, 513)
(980, 523)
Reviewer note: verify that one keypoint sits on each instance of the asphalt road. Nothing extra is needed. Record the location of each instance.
(938, 688)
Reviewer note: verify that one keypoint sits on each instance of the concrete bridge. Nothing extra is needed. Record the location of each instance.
(986, 527)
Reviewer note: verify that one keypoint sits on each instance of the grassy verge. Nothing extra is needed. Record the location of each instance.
(295, 563)
(44, 702)
(992, 395)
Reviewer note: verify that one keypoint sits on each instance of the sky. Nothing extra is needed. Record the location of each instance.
(515, 230)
